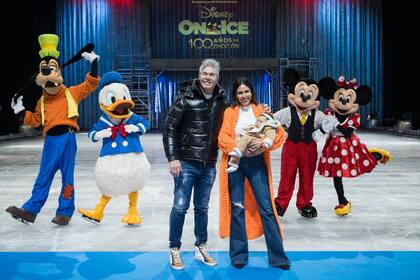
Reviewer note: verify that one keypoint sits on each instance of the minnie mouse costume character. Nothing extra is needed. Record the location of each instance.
(344, 155)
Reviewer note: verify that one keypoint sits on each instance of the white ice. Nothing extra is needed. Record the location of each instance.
(385, 215)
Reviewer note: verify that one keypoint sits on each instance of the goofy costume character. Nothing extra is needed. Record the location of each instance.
(56, 112)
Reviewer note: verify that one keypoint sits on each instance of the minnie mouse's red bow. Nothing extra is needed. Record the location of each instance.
(118, 128)
(342, 83)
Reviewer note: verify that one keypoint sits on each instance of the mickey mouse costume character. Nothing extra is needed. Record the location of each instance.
(56, 112)
(122, 166)
(303, 123)
(344, 155)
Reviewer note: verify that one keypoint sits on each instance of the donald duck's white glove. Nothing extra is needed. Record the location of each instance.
(90, 56)
(104, 133)
(131, 128)
(18, 105)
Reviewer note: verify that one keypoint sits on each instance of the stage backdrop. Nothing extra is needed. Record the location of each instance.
(218, 29)
(116, 27)
(345, 37)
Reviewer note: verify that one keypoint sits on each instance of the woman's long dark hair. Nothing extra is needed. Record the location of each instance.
(242, 81)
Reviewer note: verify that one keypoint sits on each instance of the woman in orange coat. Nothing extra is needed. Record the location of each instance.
(247, 208)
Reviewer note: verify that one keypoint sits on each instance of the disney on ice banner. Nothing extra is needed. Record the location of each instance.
(216, 28)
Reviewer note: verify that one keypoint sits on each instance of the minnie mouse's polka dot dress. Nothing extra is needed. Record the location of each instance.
(345, 156)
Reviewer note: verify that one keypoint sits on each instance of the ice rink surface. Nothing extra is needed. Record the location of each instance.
(384, 216)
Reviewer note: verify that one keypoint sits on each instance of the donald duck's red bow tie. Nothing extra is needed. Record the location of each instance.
(120, 129)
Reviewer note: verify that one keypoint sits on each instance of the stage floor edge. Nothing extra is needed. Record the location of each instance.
(155, 265)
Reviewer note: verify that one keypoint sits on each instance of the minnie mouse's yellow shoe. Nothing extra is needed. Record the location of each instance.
(342, 210)
(381, 155)
(132, 217)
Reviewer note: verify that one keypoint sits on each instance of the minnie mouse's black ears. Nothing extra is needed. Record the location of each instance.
(364, 95)
(290, 77)
(327, 87)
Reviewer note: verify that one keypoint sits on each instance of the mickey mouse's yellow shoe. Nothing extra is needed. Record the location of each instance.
(381, 155)
(132, 217)
(342, 210)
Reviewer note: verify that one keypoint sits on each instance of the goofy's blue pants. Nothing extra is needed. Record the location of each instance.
(59, 152)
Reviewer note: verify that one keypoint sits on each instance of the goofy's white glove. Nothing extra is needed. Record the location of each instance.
(104, 133)
(131, 128)
(90, 56)
(18, 105)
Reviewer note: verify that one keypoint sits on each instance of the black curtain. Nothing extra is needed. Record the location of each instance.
(401, 95)
(22, 23)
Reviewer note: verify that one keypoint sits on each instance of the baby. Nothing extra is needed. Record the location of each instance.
(264, 130)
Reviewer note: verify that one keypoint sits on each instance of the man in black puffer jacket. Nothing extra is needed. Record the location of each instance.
(190, 140)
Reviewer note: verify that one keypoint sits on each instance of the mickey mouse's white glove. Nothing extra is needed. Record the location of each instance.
(131, 128)
(18, 105)
(286, 123)
(327, 126)
(104, 133)
(334, 121)
(316, 135)
(90, 56)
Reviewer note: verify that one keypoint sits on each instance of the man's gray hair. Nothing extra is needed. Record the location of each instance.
(210, 63)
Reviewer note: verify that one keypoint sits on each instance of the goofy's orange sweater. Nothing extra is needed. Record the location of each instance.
(56, 107)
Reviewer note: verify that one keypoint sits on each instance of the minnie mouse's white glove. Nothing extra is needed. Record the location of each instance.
(131, 128)
(90, 56)
(18, 105)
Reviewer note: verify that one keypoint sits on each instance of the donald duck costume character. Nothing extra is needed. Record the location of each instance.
(122, 166)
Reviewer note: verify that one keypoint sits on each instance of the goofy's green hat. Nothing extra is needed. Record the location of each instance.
(48, 43)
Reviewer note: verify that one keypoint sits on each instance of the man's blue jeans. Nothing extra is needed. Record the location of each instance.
(201, 178)
(253, 168)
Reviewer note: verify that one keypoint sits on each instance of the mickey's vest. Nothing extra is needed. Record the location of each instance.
(298, 133)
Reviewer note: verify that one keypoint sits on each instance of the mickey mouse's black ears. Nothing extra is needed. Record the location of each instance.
(327, 87)
(364, 95)
(290, 77)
